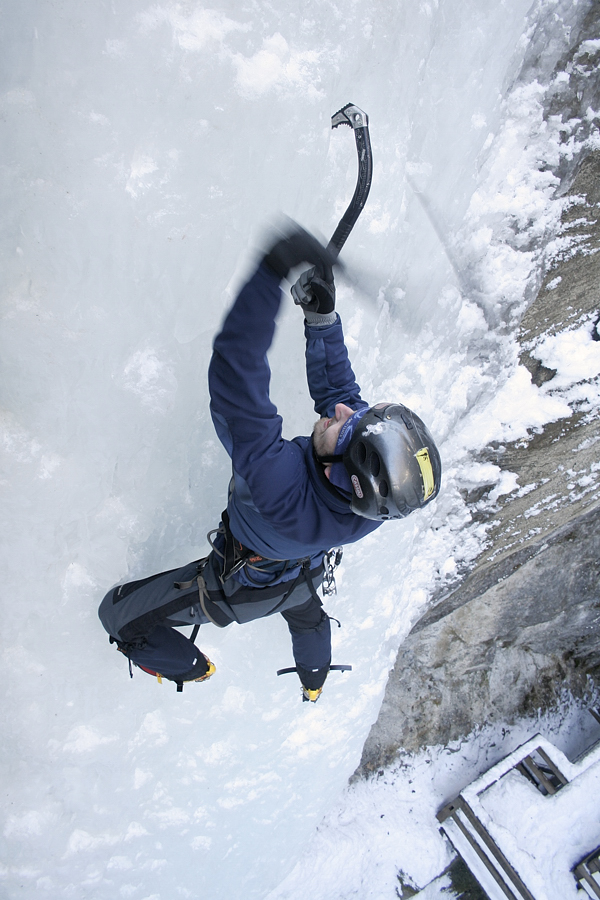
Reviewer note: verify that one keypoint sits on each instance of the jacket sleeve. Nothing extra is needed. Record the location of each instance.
(328, 370)
(245, 419)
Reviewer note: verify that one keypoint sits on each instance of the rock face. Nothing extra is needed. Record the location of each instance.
(525, 631)
(523, 626)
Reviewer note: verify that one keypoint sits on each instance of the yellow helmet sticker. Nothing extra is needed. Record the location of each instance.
(426, 471)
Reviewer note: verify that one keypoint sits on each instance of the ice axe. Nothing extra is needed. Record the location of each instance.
(358, 120)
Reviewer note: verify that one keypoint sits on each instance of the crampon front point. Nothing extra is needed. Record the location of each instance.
(313, 695)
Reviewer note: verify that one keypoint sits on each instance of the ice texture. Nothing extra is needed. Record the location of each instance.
(144, 149)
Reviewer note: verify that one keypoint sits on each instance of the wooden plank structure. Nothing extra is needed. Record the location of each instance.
(466, 831)
(481, 854)
(587, 873)
(542, 771)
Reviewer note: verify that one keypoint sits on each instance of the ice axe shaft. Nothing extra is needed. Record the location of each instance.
(358, 120)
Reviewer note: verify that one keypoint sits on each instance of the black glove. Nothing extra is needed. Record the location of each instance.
(299, 246)
(314, 293)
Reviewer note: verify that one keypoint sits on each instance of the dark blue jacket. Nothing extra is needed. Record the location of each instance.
(281, 505)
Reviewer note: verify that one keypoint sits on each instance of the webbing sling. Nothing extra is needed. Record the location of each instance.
(304, 571)
(236, 556)
(219, 618)
(203, 595)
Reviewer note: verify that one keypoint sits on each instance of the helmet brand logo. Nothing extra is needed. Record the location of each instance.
(357, 487)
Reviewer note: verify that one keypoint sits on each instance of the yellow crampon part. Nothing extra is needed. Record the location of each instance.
(210, 671)
(426, 472)
(313, 696)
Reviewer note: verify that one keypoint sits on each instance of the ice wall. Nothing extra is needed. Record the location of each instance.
(144, 148)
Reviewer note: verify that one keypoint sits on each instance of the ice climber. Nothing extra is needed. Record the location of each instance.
(290, 502)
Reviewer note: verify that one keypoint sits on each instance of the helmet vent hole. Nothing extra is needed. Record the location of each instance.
(374, 464)
(383, 488)
(360, 453)
(383, 511)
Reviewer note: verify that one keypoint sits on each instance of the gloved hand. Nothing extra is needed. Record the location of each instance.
(296, 247)
(314, 293)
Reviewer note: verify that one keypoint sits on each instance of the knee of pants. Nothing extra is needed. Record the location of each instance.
(312, 649)
(305, 617)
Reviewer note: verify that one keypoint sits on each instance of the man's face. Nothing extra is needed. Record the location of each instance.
(327, 431)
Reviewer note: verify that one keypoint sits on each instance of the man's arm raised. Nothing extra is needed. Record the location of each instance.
(245, 419)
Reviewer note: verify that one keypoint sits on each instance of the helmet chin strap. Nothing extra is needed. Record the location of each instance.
(326, 460)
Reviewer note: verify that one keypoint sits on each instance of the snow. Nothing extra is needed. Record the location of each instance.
(544, 841)
(574, 354)
(385, 828)
(146, 148)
